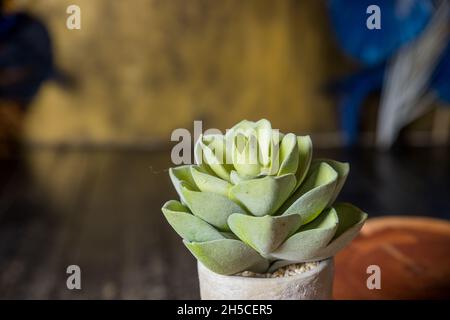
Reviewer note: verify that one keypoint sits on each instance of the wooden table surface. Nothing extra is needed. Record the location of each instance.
(101, 210)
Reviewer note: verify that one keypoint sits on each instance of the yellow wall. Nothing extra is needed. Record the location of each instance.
(145, 67)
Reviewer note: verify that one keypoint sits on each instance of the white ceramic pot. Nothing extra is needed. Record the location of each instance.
(313, 284)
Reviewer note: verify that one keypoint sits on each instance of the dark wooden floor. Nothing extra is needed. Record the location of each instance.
(101, 210)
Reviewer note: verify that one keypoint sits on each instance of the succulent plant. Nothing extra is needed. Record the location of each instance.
(257, 201)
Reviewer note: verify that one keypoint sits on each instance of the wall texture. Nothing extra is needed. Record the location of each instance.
(145, 67)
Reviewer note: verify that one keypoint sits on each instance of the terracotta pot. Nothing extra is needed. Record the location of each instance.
(316, 283)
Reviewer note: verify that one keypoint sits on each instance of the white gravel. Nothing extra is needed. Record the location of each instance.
(286, 271)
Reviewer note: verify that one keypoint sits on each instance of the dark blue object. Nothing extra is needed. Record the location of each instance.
(401, 21)
(26, 58)
(441, 77)
(352, 91)
(6, 24)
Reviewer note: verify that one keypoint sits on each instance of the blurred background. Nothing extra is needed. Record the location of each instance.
(86, 117)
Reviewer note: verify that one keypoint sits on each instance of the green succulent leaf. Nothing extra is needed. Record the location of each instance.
(289, 155)
(211, 149)
(314, 194)
(236, 178)
(188, 226)
(245, 155)
(351, 220)
(262, 129)
(275, 164)
(263, 196)
(212, 207)
(264, 234)
(277, 264)
(227, 256)
(264, 134)
(305, 152)
(304, 245)
(207, 182)
(182, 175)
(342, 169)
(242, 125)
(229, 235)
(257, 201)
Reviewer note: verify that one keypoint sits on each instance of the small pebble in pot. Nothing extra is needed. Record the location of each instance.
(286, 271)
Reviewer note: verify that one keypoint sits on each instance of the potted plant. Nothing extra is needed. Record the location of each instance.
(258, 213)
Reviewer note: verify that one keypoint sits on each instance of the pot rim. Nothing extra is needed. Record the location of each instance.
(322, 265)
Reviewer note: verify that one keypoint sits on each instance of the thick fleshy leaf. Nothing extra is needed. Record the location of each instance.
(198, 151)
(312, 237)
(342, 169)
(274, 266)
(229, 235)
(245, 155)
(264, 195)
(305, 152)
(211, 207)
(274, 155)
(314, 195)
(264, 133)
(207, 182)
(264, 234)
(227, 256)
(351, 220)
(235, 178)
(181, 175)
(242, 125)
(188, 226)
(211, 149)
(289, 155)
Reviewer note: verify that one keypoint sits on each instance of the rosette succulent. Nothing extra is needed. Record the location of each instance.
(256, 200)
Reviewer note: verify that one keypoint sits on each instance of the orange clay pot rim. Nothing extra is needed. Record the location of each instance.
(374, 225)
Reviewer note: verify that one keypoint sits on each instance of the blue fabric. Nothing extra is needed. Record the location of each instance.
(441, 77)
(354, 90)
(25, 48)
(401, 21)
